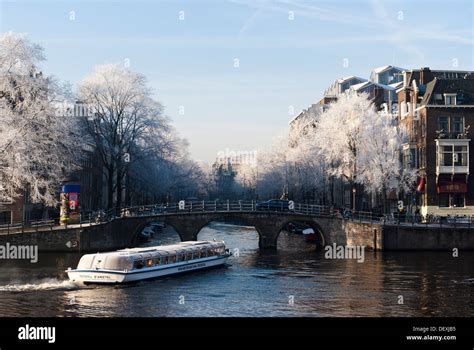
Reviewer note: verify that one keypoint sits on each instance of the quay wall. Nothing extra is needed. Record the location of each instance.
(122, 233)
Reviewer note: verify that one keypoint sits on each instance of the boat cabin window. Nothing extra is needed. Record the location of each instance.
(165, 260)
(158, 261)
(172, 259)
(189, 256)
(138, 264)
(197, 255)
(149, 263)
(204, 254)
(181, 257)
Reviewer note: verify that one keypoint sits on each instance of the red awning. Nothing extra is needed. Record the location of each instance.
(456, 186)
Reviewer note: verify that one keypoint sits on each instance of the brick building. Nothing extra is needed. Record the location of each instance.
(11, 212)
(437, 109)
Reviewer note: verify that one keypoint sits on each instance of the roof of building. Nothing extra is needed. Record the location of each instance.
(428, 92)
(396, 85)
(382, 69)
(463, 88)
(358, 87)
(350, 77)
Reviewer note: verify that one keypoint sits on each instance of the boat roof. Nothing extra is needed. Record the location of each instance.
(181, 246)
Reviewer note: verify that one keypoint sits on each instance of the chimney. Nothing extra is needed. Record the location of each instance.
(425, 75)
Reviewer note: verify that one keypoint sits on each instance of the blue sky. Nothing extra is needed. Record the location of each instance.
(288, 53)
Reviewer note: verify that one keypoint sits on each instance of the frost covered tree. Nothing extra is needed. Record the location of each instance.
(340, 133)
(307, 171)
(382, 170)
(246, 179)
(273, 170)
(362, 145)
(127, 124)
(35, 144)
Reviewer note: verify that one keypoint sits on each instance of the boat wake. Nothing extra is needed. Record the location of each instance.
(43, 284)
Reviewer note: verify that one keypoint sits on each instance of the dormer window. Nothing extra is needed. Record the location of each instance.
(450, 99)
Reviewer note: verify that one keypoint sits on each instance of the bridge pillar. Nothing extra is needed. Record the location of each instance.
(186, 229)
(268, 236)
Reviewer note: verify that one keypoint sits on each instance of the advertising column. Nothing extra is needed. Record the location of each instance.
(70, 212)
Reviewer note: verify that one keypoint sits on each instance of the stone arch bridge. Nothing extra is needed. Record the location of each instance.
(188, 222)
(267, 224)
(121, 229)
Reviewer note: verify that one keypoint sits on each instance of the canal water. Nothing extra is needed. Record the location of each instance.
(295, 280)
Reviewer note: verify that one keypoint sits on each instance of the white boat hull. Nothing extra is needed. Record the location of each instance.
(115, 277)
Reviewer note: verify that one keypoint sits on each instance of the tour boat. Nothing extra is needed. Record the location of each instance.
(135, 264)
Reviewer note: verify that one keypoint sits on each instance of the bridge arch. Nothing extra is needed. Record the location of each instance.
(135, 240)
(244, 220)
(267, 224)
(320, 238)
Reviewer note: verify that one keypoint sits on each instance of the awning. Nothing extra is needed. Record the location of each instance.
(455, 186)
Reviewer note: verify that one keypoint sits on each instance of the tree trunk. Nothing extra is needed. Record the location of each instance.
(110, 189)
(119, 183)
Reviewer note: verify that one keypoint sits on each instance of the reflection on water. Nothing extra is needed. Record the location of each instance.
(296, 280)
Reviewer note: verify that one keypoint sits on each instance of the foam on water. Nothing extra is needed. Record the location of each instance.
(43, 284)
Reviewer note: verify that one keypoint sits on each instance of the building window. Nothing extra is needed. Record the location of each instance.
(453, 155)
(409, 158)
(5, 217)
(446, 156)
(413, 158)
(460, 156)
(450, 99)
(451, 200)
(415, 131)
(443, 124)
(443, 200)
(457, 124)
(457, 200)
(406, 159)
(422, 157)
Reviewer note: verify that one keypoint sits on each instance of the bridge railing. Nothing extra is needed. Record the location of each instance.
(157, 210)
(31, 225)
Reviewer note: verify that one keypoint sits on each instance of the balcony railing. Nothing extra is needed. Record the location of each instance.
(452, 135)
